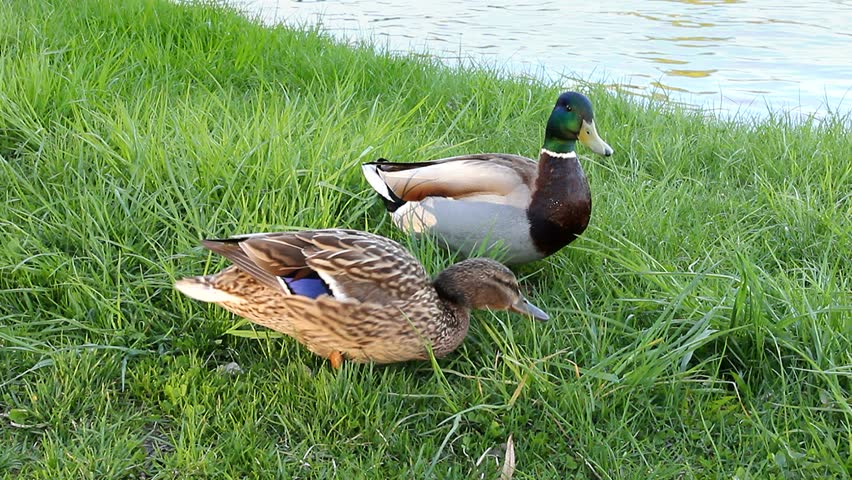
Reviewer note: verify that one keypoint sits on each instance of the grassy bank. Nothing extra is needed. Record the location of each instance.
(707, 308)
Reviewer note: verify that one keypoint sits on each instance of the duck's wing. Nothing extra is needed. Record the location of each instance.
(454, 177)
(346, 264)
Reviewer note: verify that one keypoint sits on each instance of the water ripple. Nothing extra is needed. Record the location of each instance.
(795, 54)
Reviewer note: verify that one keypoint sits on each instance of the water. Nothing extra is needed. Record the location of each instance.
(733, 56)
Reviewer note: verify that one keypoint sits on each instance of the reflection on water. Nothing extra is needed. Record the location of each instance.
(690, 73)
(733, 55)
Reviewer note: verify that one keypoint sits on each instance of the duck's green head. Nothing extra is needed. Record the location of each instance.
(572, 119)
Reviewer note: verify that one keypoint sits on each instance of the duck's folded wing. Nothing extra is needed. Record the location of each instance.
(367, 268)
(354, 265)
(234, 250)
(454, 177)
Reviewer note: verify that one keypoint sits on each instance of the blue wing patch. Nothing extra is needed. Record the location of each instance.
(311, 286)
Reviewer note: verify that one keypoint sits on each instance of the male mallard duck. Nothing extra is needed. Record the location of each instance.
(351, 294)
(526, 209)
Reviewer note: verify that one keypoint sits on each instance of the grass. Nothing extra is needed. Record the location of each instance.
(706, 310)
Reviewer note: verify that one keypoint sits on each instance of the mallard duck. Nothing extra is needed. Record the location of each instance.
(519, 209)
(347, 294)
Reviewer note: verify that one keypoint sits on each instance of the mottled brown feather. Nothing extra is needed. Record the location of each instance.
(390, 310)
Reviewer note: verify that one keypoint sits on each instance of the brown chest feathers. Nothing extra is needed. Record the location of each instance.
(561, 203)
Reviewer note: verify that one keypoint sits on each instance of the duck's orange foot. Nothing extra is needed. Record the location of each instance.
(336, 359)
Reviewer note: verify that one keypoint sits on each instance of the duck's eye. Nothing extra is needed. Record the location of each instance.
(568, 108)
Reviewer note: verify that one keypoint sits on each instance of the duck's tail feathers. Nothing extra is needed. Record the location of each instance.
(200, 288)
(374, 178)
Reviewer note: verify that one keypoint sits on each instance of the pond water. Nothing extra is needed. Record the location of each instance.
(732, 56)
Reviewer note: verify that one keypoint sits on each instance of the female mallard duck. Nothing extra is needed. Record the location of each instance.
(351, 294)
(522, 209)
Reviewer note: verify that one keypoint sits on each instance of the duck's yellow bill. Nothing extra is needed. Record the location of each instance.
(590, 138)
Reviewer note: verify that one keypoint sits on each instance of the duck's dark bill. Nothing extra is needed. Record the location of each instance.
(525, 307)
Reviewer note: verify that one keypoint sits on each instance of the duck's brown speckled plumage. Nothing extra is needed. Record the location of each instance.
(384, 308)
